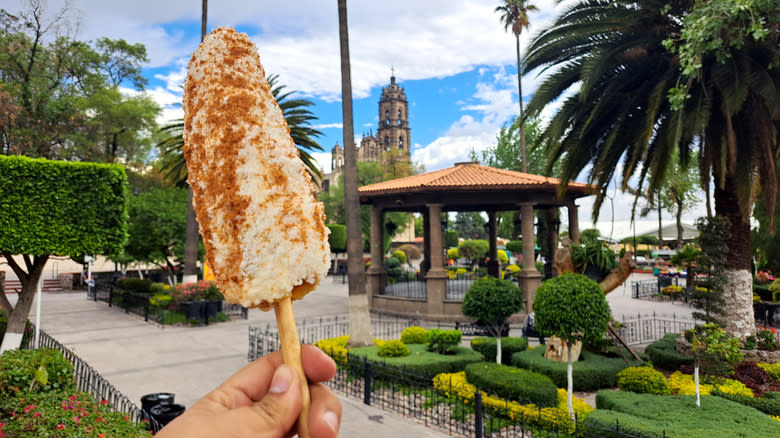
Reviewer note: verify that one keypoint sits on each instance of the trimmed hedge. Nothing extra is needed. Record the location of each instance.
(337, 238)
(769, 404)
(142, 285)
(414, 335)
(590, 373)
(420, 361)
(513, 383)
(643, 380)
(653, 415)
(509, 346)
(663, 353)
(18, 368)
(59, 207)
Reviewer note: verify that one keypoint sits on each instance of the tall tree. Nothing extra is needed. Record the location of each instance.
(620, 112)
(359, 319)
(514, 14)
(61, 97)
(192, 236)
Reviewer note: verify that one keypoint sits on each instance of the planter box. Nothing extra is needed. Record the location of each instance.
(195, 309)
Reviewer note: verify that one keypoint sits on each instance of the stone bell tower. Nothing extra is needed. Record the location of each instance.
(394, 129)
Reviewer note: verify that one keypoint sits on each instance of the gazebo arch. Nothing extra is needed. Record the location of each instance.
(463, 187)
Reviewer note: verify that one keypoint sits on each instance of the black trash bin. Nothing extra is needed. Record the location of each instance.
(151, 400)
(165, 413)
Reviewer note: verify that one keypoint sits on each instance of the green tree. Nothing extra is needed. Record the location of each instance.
(157, 228)
(55, 207)
(63, 94)
(514, 14)
(470, 224)
(572, 307)
(337, 238)
(621, 119)
(492, 301)
(473, 250)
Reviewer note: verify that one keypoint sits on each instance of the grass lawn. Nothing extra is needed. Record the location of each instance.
(420, 360)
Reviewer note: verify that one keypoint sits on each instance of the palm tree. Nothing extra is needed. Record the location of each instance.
(514, 14)
(359, 320)
(611, 53)
(295, 111)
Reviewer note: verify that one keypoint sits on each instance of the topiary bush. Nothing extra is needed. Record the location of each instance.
(590, 373)
(452, 254)
(394, 348)
(412, 251)
(400, 255)
(643, 380)
(47, 367)
(663, 353)
(515, 246)
(337, 238)
(420, 362)
(491, 301)
(509, 346)
(513, 383)
(443, 341)
(414, 335)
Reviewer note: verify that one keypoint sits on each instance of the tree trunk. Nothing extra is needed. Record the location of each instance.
(17, 316)
(738, 291)
(359, 318)
(498, 347)
(520, 100)
(570, 383)
(696, 383)
(679, 223)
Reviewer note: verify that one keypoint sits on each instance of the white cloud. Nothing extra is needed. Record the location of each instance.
(328, 126)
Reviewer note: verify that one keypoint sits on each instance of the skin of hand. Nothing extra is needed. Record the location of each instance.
(263, 400)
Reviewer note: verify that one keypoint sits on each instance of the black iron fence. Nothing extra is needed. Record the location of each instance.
(642, 329)
(90, 381)
(406, 289)
(141, 304)
(652, 288)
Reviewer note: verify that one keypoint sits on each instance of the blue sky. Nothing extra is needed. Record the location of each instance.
(453, 57)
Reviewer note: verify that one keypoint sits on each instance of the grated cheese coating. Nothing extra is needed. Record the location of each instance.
(263, 229)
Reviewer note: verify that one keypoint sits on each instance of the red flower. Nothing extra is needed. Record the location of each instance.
(101, 435)
(28, 408)
(60, 426)
(104, 402)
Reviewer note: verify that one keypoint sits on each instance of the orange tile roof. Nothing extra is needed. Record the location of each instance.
(469, 176)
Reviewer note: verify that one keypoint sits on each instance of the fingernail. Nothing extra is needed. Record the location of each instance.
(333, 420)
(281, 381)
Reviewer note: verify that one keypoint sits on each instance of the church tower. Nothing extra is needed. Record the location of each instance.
(394, 129)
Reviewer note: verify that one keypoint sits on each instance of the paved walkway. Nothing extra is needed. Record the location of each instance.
(140, 358)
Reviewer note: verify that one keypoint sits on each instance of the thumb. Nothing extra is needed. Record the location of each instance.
(275, 414)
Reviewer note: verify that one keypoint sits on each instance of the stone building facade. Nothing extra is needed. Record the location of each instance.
(393, 132)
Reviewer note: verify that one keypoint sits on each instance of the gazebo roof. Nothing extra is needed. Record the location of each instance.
(453, 183)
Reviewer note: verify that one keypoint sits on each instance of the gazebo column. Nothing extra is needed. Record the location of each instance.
(376, 272)
(436, 278)
(492, 264)
(426, 263)
(551, 239)
(574, 222)
(530, 278)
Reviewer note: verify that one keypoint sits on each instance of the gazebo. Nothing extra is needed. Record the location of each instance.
(464, 187)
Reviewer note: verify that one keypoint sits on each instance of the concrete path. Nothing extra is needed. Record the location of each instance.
(139, 358)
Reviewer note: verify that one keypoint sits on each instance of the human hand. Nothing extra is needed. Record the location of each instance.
(263, 400)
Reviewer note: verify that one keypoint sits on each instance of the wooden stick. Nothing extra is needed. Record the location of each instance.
(291, 352)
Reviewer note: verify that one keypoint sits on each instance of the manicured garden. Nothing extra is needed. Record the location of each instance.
(38, 397)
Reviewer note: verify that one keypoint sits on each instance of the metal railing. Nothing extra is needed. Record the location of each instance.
(642, 329)
(90, 381)
(651, 288)
(407, 289)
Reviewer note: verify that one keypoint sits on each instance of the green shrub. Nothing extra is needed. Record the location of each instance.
(451, 238)
(676, 416)
(443, 341)
(420, 361)
(337, 238)
(590, 373)
(135, 284)
(492, 301)
(509, 346)
(414, 335)
(400, 255)
(515, 246)
(643, 380)
(64, 415)
(412, 251)
(769, 404)
(502, 257)
(513, 383)
(394, 348)
(663, 353)
(18, 370)
(453, 254)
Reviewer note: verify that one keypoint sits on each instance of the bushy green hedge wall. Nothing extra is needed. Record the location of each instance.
(590, 373)
(663, 354)
(509, 346)
(337, 238)
(58, 207)
(678, 416)
(513, 383)
(769, 404)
